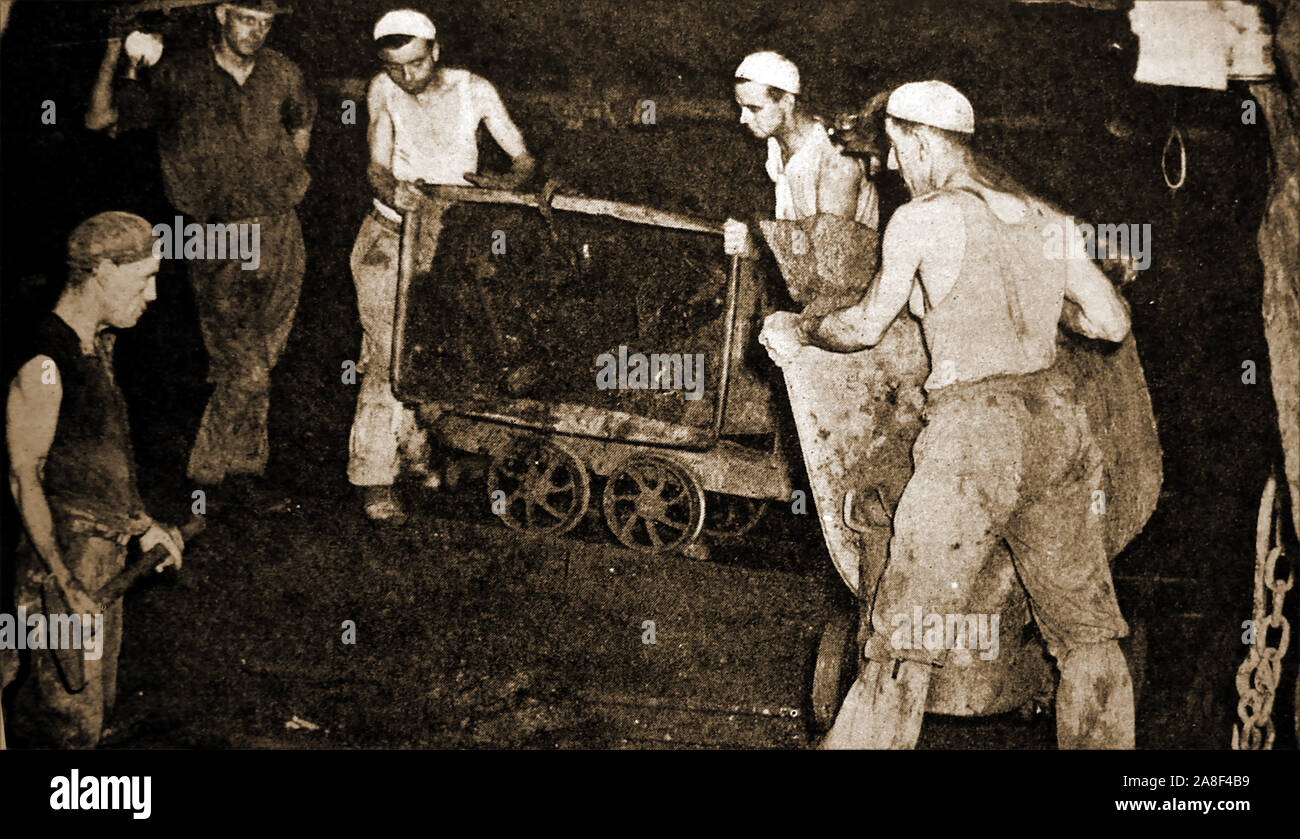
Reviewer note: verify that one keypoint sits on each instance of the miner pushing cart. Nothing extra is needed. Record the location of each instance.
(502, 339)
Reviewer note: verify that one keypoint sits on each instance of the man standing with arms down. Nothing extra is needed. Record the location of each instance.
(233, 122)
(71, 468)
(1006, 453)
(424, 122)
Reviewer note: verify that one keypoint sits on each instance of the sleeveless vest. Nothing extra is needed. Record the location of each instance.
(435, 145)
(1001, 315)
(90, 469)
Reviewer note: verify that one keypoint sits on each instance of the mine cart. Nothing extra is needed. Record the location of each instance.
(566, 338)
(857, 415)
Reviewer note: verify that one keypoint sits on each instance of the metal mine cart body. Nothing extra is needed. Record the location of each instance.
(858, 415)
(588, 338)
(567, 337)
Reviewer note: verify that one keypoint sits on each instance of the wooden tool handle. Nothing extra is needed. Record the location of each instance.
(634, 213)
(117, 586)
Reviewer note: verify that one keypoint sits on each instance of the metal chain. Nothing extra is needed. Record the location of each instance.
(1258, 676)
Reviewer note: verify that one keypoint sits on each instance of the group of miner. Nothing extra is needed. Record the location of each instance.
(233, 123)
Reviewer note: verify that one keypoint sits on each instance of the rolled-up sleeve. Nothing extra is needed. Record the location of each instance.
(497, 119)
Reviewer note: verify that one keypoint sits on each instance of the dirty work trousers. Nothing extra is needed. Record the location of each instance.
(50, 716)
(246, 316)
(1012, 458)
(383, 428)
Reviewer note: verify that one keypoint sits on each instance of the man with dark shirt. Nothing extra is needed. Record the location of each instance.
(233, 123)
(71, 468)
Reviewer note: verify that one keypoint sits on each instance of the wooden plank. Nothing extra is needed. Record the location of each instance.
(634, 213)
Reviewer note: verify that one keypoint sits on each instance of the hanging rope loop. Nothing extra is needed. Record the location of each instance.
(1174, 135)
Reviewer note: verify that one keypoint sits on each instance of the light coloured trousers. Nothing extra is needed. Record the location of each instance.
(383, 429)
(1007, 458)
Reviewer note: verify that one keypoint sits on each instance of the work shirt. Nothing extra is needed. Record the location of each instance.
(1001, 315)
(796, 179)
(435, 133)
(90, 468)
(225, 148)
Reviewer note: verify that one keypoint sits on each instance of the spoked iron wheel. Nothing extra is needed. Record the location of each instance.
(653, 504)
(731, 516)
(834, 670)
(544, 487)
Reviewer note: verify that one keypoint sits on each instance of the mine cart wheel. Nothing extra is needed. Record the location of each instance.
(653, 504)
(545, 487)
(731, 516)
(837, 651)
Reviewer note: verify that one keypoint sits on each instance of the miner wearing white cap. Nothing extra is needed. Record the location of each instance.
(424, 121)
(1006, 453)
(810, 174)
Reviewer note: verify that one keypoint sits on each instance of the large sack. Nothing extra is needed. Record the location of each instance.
(857, 414)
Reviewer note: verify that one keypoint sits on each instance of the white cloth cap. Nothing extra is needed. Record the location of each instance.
(405, 22)
(932, 103)
(771, 69)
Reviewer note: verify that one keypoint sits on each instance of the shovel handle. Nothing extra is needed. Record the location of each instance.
(117, 586)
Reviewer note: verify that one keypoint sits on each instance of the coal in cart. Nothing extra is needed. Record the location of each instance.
(576, 341)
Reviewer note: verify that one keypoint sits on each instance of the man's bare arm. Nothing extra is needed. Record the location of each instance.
(379, 136)
(101, 114)
(302, 140)
(32, 414)
(1093, 308)
(863, 325)
(509, 138)
(382, 180)
(521, 169)
(839, 186)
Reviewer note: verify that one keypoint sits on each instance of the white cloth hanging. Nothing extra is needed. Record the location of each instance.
(1182, 42)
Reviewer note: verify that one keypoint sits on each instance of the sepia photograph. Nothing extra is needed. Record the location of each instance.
(600, 375)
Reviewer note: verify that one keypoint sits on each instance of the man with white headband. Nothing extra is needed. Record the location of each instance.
(424, 121)
(810, 174)
(1006, 453)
